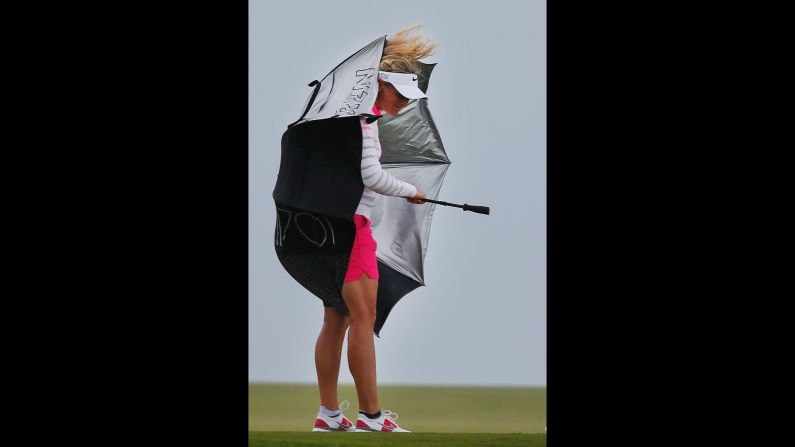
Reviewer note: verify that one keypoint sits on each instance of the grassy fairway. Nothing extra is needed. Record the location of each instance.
(290, 439)
(426, 411)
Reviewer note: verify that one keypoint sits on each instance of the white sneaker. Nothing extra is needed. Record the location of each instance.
(383, 423)
(339, 423)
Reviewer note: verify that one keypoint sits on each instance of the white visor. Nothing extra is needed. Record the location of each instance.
(405, 83)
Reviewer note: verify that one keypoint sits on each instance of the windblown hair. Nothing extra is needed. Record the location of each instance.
(402, 51)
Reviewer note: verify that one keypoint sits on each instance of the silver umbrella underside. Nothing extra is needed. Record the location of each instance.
(412, 151)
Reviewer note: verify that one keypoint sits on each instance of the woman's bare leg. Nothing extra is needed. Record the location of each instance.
(360, 297)
(328, 353)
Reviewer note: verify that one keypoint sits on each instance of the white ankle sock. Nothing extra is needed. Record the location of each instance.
(329, 413)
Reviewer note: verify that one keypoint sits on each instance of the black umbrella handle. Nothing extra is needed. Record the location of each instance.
(474, 208)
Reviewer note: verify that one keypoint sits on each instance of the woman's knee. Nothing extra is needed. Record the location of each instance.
(361, 297)
(334, 319)
(365, 316)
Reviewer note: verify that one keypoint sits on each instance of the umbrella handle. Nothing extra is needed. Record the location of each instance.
(474, 208)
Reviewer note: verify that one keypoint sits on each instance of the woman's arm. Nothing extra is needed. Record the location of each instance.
(374, 176)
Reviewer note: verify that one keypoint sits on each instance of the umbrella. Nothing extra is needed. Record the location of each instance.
(319, 185)
(412, 151)
(349, 89)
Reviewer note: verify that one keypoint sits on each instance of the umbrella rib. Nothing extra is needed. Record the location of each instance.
(413, 163)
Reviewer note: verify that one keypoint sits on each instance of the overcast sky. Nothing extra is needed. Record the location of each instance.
(481, 318)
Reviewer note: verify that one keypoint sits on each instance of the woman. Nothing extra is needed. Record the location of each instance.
(397, 84)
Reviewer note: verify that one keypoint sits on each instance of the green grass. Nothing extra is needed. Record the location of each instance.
(431, 413)
(290, 439)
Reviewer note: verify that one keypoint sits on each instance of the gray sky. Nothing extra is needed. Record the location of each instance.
(481, 318)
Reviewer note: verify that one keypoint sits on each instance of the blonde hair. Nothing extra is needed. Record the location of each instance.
(402, 51)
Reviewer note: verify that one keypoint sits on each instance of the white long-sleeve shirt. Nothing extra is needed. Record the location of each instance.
(375, 179)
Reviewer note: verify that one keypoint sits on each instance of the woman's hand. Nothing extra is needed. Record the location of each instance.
(419, 198)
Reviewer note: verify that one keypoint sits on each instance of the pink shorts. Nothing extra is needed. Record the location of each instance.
(363, 253)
